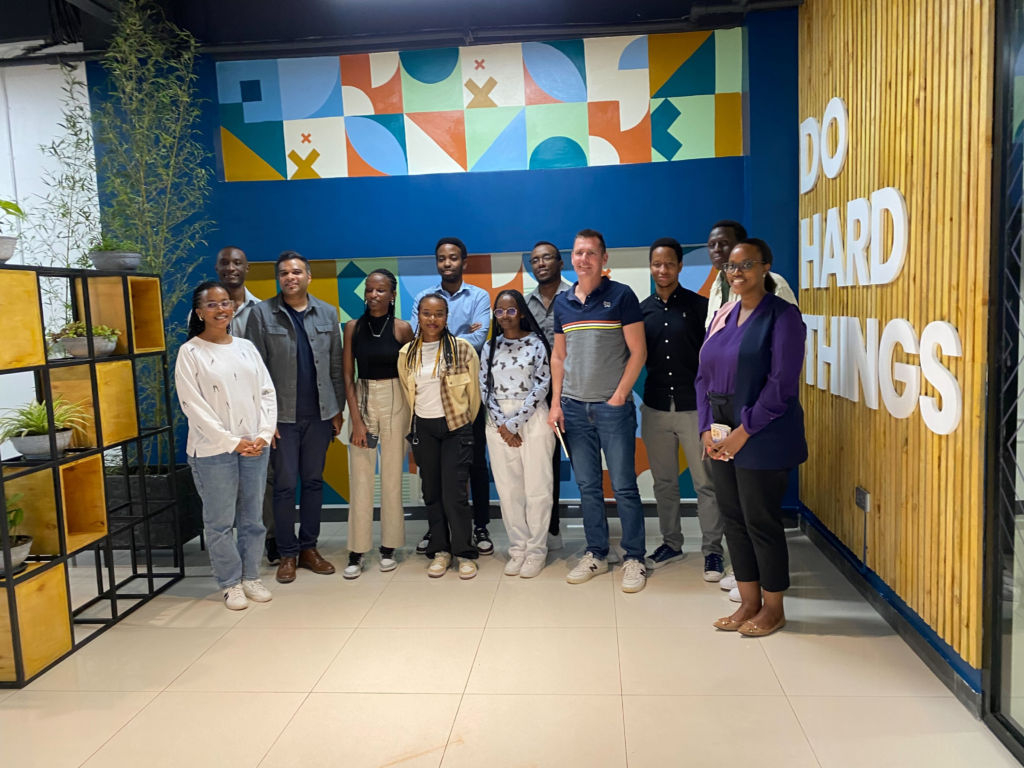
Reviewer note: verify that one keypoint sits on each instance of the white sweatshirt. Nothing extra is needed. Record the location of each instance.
(226, 393)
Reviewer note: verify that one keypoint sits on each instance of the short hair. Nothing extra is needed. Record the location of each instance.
(592, 234)
(288, 256)
(667, 242)
(548, 243)
(231, 248)
(452, 241)
(737, 229)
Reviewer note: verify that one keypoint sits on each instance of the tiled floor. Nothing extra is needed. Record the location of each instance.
(401, 671)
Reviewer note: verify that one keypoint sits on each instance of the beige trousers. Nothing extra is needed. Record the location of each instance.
(386, 414)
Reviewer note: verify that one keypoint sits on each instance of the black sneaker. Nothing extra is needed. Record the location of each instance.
(714, 568)
(483, 542)
(421, 548)
(273, 556)
(664, 555)
(355, 566)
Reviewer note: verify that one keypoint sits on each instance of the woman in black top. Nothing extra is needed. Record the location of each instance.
(379, 415)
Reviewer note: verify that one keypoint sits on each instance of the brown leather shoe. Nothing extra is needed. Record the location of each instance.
(311, 560)
(286, 570)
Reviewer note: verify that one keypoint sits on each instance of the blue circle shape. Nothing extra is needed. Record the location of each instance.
(558, 152)
(430, 66)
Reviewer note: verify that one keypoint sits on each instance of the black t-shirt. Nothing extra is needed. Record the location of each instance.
(307, 397)
(675, 333)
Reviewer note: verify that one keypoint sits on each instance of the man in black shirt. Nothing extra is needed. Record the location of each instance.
(674, 327)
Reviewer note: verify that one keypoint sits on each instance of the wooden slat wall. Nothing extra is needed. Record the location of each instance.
(916, 76)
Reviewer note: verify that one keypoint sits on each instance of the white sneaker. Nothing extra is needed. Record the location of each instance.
(467, 568)
(533, 566)
(586, 569)
(613, 556)
(514, 565)
(354, 569)
(728, 583)
(255, 591)
(734, 595)
(634, 576)
(439, 565)
(388, 563)
(234, 598)
(555, 542)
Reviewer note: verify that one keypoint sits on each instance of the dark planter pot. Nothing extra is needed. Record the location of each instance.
(158, 493)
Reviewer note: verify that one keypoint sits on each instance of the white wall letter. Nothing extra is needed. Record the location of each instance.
(901, 406)
(810, 252)
(858, 233)
(945, 420)
(832, 165)
(832, 256)
(813, 323)
(888, 199)
(809, 165)
(860, 364)
(828, 354)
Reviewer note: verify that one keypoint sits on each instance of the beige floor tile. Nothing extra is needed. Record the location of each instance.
(393, 660)
(546, 661)
(344, 605)
(529, 603)
(270, 660)
(363, 730)
(514, 731)
(183, 613)
(824, 665)
(701, 730)
(445, 602)
(5, 694)
(51, 729)
(671, 603)
(228, 730)
(694, 662)
(897, 732)
(489, 568)
(130, 659)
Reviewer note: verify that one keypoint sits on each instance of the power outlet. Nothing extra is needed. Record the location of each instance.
(863, 499)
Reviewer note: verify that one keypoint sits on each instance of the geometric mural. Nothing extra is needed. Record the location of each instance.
(341, 283)
(503, 107)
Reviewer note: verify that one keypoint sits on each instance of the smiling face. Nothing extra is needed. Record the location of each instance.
(665, 267)
(450, 263)
(231, 268)
(433, 316)
(721, 241)
(506, 321)
(216, 308)
(378, 294)
(751, 281)
(588, 257)
(294, 277)
(546, 263)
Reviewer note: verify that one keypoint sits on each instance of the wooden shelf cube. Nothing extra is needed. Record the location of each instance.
(106, 305)
(40, 507)
(19, 302)
(118, 416)
(43, 623)
(147, 314)
(85, 502)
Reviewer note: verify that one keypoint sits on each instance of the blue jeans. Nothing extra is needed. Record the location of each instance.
(232, 486)
(589, 429)
(299, 457)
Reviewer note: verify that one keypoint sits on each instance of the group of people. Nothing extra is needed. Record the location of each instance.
(527, 378)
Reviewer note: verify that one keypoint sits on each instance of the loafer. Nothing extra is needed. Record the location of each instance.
(286, 570)
(310, 560)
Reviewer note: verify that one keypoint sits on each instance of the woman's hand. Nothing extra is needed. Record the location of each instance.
(728, 448)
(244, 447)
(709, 444)
(513, 441)
(358, 433)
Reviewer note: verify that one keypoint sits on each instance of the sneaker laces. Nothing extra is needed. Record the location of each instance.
(714, 563)
(387, 552)
(587, 561)
(354, 558)
(235, 591)
(633, 569)
(253, 583)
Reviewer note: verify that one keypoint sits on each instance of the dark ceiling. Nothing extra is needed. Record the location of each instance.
(293, 27)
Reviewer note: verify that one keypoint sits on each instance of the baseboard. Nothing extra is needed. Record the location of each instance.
(338, 513)
(963, 680)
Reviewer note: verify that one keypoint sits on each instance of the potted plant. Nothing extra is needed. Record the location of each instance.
(75, 340)
(114, 255)
(8, 242)
(20, 545)
(28, 429)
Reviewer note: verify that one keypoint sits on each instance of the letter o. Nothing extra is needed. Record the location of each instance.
(836, 112)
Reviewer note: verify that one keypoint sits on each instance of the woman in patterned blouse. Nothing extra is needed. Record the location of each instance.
(515, 382)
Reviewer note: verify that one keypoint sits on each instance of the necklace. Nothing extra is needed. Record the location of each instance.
(369, 324)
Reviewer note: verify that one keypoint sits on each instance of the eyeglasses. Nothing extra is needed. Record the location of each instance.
(740, 266)
(545, 259)
(212, 305)
(500, 313)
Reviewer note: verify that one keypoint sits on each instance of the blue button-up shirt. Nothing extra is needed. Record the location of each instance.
(466, 306)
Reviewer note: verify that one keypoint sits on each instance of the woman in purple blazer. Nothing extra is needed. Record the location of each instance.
(749, 382)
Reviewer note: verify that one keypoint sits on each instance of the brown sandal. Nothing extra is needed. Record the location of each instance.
(728, 625)
(749, 629)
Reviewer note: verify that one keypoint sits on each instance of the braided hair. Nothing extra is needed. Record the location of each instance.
(363, 319)
(449, 342)
(196, 324)
(527, 322)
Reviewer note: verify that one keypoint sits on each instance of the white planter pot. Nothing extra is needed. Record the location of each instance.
(7, 244)
(21, 546)
(38, 446)
(79, 347)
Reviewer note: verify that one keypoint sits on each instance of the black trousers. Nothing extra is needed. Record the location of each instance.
(444, 458)
(479, 477)
(557, 466)
(300, 456)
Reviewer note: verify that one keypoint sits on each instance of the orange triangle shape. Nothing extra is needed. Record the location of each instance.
(666, 54)
(241, 163)
(534, 93)
(447, 129)
(359, 167)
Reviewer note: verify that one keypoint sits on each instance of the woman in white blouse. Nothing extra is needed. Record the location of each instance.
(226, 393)
(515, 380)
